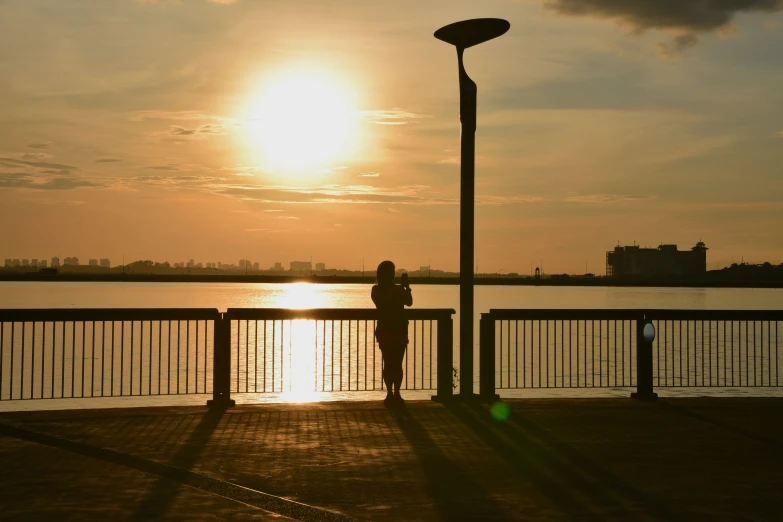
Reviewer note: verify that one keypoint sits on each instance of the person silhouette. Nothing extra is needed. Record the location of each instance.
(391, 330)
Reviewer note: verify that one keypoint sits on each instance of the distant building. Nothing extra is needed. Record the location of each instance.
(242, 264)
(105, 263)
(71, 261)
(191, 264)
(25, 262)
(666, 260)
(198, 265)
(34, 263)
(8, 263)
(301, 266)
(278, 267)
(92, 262)
(16, 263)
(320, 267)
(256, 266)
(42, 263)
(55, 262)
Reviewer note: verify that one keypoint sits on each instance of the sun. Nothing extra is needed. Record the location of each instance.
(301, 119)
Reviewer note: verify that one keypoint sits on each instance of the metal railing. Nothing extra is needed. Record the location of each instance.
(606, 349)
(77, 353)
(80, 353)
(328, 350)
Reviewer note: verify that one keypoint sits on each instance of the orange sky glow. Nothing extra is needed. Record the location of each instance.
(279, 131)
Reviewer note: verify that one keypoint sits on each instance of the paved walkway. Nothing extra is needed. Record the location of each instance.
(570, 460)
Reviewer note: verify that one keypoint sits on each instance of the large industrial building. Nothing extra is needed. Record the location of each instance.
(666, 260)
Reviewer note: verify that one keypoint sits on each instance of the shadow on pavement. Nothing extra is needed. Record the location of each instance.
(456, 495)
(579, 486)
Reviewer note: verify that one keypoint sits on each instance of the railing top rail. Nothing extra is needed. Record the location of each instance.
(565, 314)
(634, 314)
(108, 314)
(368, 314)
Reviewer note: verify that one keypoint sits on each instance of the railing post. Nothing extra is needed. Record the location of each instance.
(487, 357)
(645, 334)
(445, 358)
(221, 367)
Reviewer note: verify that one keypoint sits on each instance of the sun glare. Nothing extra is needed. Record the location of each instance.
(301, 119)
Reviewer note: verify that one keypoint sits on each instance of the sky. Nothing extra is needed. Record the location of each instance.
(283, 130)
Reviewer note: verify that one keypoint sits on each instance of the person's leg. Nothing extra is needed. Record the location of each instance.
(398, 373)
(388, 372)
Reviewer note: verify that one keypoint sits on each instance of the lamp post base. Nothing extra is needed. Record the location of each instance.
(472, 398)
(648, 396)
(221, 404)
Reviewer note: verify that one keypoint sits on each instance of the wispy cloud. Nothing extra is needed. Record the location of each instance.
(200, 132)
(606, 198)
(108, 160)
(370, 174)
(14, 162)
(170, 115)
(394, 116)
(41, 145)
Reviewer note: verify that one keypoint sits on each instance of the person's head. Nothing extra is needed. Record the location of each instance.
(385, 273)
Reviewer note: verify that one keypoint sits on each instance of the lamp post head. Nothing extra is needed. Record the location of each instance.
(468, 33)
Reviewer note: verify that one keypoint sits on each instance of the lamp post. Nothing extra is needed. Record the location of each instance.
(462, 35)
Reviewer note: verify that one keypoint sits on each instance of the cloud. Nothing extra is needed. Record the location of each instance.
(35, 155)
(198, 133)
(394, 116)
(170, 115)
(686, 17)
(370, 174)
(13, 162)
(678, 44)
(42, 145)
(26, 181)
(606, 198)
(287, 217)
(108, 160)
(355, 194)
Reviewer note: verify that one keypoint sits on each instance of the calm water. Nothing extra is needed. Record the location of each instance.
(223, 296)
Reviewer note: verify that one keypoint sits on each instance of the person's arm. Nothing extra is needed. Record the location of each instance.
(374, 295)
(407, 296)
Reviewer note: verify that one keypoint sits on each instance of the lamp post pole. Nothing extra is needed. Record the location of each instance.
(462, 35)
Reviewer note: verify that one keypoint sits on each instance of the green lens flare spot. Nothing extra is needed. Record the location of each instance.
(500, 411)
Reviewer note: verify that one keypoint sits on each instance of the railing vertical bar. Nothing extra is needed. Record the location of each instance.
(21, 369)
(2, 353)
(500, 350)
(195, 356)
(562, 352)
(130, 370)
(43, 355)
(149, 362)
(282, 349)
(601, 353)
(769, 353)
(264, 380)
(374, 348)
(357, 361)
(592, 350)
(539, 354)
(754, 353)
(331, 360)
(160, 353)
(747, 351)
(32, 365)
(255, 359)
(524, 351)
(615, 352)
(177, 367)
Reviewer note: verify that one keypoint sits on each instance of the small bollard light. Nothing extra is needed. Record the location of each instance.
(644, 363)
(649, 332)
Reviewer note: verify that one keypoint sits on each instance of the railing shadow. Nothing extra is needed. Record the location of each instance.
(578, 485)
(721, 424)
(160, 498)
